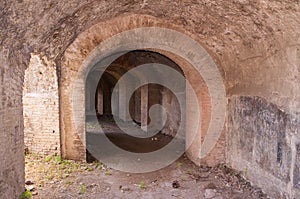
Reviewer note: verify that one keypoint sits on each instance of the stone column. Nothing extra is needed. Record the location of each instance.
(123, 102)
(100, 100)
(193, 139)
(144, 107)
(137, 104)
(88, 98)
(115, 102)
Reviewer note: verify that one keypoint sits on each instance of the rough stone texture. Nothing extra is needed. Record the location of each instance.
(41, 107)
(76, 65)
(296, 180)
(263, 139)
(173, 112)
(11, 125)
(255, 43)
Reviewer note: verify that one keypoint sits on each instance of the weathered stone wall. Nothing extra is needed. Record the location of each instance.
(173, 113)
(263, 141)
(11, 126)
(76, 65)
(263, 114)
(253, 42)
(41, 107)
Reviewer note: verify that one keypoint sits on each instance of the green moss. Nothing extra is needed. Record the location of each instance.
(142, 185)
(108, 173)
(26, 194)
(82, 189)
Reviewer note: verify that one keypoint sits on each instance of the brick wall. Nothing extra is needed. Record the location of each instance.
(246, 39)
(41, 107)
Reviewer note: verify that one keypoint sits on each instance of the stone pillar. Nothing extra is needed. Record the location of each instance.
(115, 102)
(137, 104)
(154, 100)
(193, 139)
(100, 100)
(123, 102)
(93, 92)
(144, 107)
(88, 98)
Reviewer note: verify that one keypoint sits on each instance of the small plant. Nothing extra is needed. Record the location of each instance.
(108, 173)
(26, 194)
(98, 165)
(82, 189)
(142, 185)
(58, 159)
(179, 164)
(190, 171)
(68, 171)
(89, 169)
(48, 158)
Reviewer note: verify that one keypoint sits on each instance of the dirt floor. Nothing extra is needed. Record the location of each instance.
(51, 177)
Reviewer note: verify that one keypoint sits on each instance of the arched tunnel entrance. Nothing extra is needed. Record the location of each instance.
(260, 133)
(99, 101)
(93, 90)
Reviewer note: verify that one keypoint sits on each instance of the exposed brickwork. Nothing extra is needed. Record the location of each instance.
(255, 43)
(41, 107)
(76, 65)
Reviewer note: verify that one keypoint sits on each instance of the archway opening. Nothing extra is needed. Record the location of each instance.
(205, 94)
(111, 118)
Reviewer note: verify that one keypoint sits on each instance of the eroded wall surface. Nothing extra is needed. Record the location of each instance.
(254, 43)
(41, 107)
(11, 124)
(263, 141)
(263, 116)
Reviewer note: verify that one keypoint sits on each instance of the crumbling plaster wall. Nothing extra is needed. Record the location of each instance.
(253, 43)
(41, 107)
(263, 117)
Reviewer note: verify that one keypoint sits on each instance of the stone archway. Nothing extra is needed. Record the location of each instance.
(102, 40)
